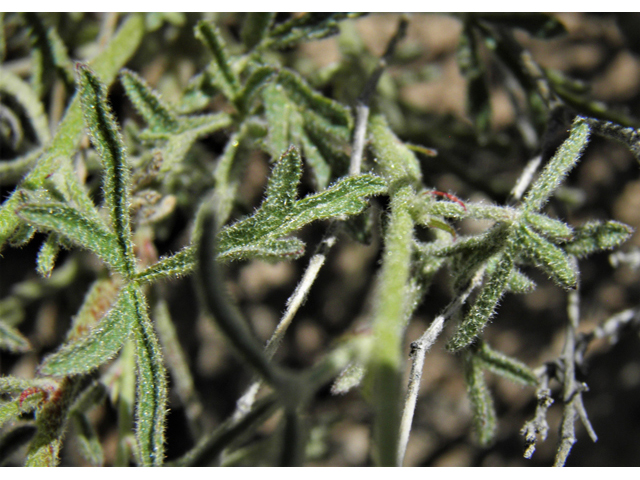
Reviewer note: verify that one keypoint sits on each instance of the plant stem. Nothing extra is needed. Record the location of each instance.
(419, 349)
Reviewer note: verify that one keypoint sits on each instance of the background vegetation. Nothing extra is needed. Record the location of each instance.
(378, 163)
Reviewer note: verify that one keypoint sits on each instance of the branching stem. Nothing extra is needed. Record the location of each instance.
(419, 349)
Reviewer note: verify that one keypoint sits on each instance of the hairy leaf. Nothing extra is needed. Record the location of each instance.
(255, 27)
(88, 440)
(270, 223)
(71, 224)
(504, 366)
(545, 255)
(149, 104)
(182, 263)
(398, 164)
(106, 138)
(12, 340)
(65, 142)
(550, 228)
(596, 236)
(558, 167)
(14, 86)
(47, 255)
(151, 390)
(209, 34)
(484, 414)
(484, 306)
(101, 344)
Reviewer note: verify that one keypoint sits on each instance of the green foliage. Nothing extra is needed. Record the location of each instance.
(188, 159)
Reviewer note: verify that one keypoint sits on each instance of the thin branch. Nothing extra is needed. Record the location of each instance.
(526, 178)
(539, 424)
(362, 104)
(419, 350)
(571, 390)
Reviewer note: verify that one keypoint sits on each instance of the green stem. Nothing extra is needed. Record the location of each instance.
(387, 363)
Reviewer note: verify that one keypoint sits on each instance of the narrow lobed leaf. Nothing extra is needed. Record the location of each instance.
(151, 389)
(148, 103)
(301, 93)
(484, 306)
(12, 340)
(259, 78)
(88, 441)
(209, 34)
(545, 255)
(180, 264)
(101, 344)
(65, 142)
(71, 224)
(550, 228)
(559, 166)
(505, 366)
(484, 414)
(283, 181)
(47, 255)
(11, 84)
(255, 27)
(596, 236)
(106, 138)
(518, 282)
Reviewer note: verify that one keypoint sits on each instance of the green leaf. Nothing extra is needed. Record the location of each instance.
(106, 138)
(484, 305)
(47, 255)
(14, 86)
(65, 142)
(12, 340)
(148, 103)
(51, 419)
(595, 236)
(545, 255)
(175, 266)
(518, 282)
(258, 79)
(72, 225)
(257, 233)
(283, 182)
(151, 390)
(550, 228)
(255, 27)
(558, 167)
(484, 413)
(504, 366)
(190, 129)
(209, 34)
(101, 344)
(302, 94)
(88, 440)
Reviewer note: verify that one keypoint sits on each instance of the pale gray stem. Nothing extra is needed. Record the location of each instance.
(360, 132)
(526, 177)
(419, 350)
(539, 424)
(570, 392)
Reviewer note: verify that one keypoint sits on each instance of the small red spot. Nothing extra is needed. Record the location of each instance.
(32, 391)
(448, 196)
